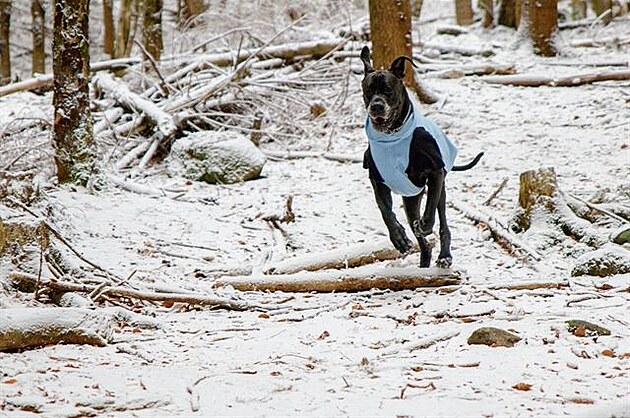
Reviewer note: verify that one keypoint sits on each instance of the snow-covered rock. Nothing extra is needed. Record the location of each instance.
(609, 260)
(215, 157)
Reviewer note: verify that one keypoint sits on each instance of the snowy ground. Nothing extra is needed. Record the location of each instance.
(347, 354)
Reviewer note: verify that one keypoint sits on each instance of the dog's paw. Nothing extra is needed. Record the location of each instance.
(444, 263)
(400, 240)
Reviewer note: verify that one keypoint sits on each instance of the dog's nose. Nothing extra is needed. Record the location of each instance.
(377, 108)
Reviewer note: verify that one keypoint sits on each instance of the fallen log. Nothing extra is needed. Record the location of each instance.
(23, 328)
(294, 155)
(353, 256)
(46, 80)
(347, 280)
(534, 80)
(28, 281)
(591, 43)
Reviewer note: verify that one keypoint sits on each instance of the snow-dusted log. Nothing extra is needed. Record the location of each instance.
(294, 155)
(128, 99)
(347, 280)
(285, 51)
(451, 71)
(45, 80)
(353, 256)
(26, 280)
(536, 80)
(456, 49)
(591, 42)
(23, 328)
(499, 233)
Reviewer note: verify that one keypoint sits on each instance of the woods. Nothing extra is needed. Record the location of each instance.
(187, 226)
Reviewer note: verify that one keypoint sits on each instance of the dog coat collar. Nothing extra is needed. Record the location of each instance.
(390, 151)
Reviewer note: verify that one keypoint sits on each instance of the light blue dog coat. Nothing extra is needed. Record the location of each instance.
(390, 151)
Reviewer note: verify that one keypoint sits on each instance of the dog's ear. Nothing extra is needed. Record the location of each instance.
(365, 57)
(398, 66)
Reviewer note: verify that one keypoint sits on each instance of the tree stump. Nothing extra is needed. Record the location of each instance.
(17, 230)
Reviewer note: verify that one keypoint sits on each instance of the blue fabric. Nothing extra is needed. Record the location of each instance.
(390, 151)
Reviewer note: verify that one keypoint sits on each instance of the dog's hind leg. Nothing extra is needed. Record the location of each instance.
(412, 210)
(445, 259)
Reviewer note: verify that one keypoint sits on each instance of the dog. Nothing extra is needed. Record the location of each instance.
(407, 154)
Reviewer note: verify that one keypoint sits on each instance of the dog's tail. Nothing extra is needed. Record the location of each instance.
(469, 165)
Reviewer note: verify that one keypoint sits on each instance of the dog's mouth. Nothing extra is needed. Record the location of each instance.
(378, 120)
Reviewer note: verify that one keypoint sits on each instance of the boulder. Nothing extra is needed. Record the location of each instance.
(609, 260)
(215, 157)
(493, 337)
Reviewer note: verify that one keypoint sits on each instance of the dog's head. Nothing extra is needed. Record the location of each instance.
(384, 94)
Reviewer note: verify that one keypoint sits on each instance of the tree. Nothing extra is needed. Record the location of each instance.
(122, 47)
(189, 10)
(5, 30)
(510, 13)
(108, 28)
(487, 6)
(463, 12)
(603, 10)
(390, 31)
(152, 27)
(39, 37)
(74, 145)
(539, 21)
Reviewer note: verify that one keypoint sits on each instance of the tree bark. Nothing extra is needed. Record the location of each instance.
(463, 12)
(390, 30)
(108, 28)
(487, 7)
(124, 28)
(39, 36)
(510, 13)
(540, 20)
(5, 50)
(349, 280)
(152, 27)
(74, 145)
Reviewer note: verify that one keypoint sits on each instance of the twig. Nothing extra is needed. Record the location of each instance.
(496, 192)
(599, 209)
(164, 86)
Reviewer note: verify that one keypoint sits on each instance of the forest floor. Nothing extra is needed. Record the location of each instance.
(346, 354)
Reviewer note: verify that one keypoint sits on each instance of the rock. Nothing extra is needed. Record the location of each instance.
(215, 157)
(622, 235)
(609, 260)
(17, 230)
(585, 329)
(493, 337)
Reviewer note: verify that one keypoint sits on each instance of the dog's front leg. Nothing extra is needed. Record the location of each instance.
(412, 210)
(445, 259)
(435, 184)
(397, 234)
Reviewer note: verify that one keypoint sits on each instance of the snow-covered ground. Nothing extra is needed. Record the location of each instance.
(349, 354)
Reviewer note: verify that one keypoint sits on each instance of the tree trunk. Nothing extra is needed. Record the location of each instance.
(189, 10)
(108, 28)
(74, 145)
(417, 8)
(463, 12)
(124, 27)
(540, 20)
(39, 35)
(152, 27)
(390, 29)
(603, 8)
(5, 30)
(487, 6)
(578, 9)
(510, 13)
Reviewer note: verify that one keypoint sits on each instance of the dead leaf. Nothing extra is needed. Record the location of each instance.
(624, 356)
(358, 307)
(168, 304)
(608, 353)
(605, 286)
(585, 401)
(310, 366)
(10, 381)
(264, 315)
(275, 373)
(522, 386)
(323, 335)
(580, 331)
(467, 320)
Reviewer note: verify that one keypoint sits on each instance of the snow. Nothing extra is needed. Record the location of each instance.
(339, 354)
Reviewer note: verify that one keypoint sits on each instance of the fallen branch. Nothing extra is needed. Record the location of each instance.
(294, 155)
(498, 232)
(533, 80)
(612, 40)
(445, 49)
(349, 280)
(23, 328)
(353, 256)
(46, 80)
(28, 280)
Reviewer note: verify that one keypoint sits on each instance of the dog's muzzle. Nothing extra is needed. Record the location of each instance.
(378, 111)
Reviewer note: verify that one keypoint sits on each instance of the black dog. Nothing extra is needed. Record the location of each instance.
(390, 111)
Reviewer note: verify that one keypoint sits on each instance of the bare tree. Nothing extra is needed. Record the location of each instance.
(108, 27)
(463, 12)
(189, 10)
(510, 13)
(487, 7)
(39, 37)
(603, 10)
(390, 31)
(74, 145)
(124, 29)
(5, 31)
(539, 21)
(152, 27)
